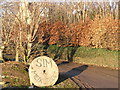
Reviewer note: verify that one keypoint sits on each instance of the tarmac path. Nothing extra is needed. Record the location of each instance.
(88, 76)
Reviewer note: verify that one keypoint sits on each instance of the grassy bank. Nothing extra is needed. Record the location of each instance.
(85, 55)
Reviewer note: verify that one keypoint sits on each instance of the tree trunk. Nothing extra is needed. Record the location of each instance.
(1, 48)
(27, 51)
(24, 57)
(29, 46)
(17, 53)
(1, 55)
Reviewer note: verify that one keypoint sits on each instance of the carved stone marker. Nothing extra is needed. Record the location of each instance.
(43, 71)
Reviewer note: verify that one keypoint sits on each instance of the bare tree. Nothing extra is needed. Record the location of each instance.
(30, 21)
(7, 22)
(23, 24)
(1, 44)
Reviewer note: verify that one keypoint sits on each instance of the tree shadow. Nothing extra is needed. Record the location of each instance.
(71, 52)
(8, 57)
(73, 72)
(62, 63)
(45, 50)
(58, 53)
(46, 45)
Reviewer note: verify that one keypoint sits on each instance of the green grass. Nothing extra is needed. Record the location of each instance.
(85, 52)
(97, 56)
(86, 55)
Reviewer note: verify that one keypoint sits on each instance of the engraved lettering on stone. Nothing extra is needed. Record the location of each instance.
(31, 67)
(48, 62)
(33, 72)
(37, 78)
(38, 63)
(44, 63)
(43, 71)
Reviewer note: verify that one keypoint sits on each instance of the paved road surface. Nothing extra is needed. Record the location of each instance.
(96, 77)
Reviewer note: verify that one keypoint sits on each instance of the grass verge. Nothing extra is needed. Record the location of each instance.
(86, 55)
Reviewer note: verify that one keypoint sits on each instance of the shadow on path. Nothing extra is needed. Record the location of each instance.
(62, 63)
(73, 72)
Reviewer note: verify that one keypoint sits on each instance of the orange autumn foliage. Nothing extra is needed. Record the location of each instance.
(97, 33)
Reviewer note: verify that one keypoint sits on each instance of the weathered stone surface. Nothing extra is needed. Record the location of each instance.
(43, 71)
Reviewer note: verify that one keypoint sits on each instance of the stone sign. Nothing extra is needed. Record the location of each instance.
(43, 71)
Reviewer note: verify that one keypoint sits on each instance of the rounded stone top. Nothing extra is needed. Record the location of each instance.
(43, 71)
